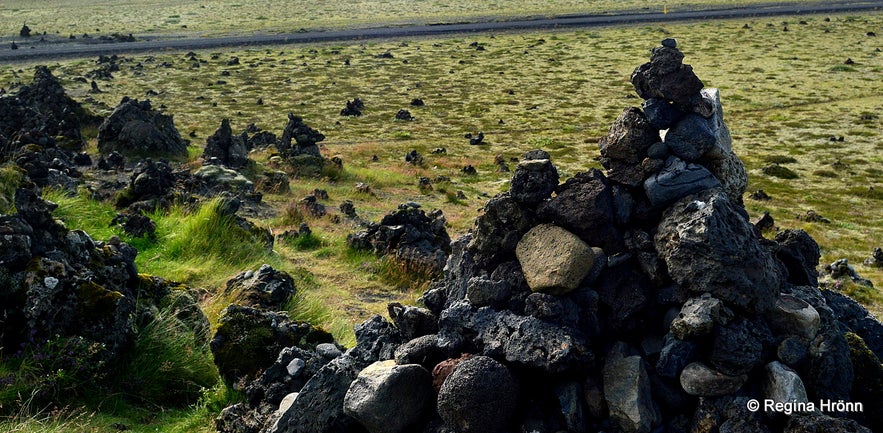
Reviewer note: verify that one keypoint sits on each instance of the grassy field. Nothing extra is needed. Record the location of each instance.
(788, 95)
(97, 17)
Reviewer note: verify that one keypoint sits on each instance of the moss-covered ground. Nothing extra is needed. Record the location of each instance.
(789, 98)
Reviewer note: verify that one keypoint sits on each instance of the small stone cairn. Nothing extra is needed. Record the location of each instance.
(639, 299)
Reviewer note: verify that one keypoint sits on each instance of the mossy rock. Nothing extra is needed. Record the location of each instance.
(95, 301)
(776, 170)
(867, 387)
(248, 340)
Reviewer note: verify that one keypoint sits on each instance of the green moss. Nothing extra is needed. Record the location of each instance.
(10, 178)
(95, 301)
(867, 386)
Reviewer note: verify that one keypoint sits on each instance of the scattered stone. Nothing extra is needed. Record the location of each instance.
(353, 108)
(404, 115)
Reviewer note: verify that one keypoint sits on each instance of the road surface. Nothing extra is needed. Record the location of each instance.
(30, 50)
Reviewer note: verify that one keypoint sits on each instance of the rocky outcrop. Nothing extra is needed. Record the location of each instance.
(136, 129)
(63, 289)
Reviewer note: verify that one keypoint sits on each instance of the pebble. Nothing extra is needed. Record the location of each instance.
(670, 43)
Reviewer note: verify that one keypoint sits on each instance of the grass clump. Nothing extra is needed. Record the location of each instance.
(10, 178)
(170, 363)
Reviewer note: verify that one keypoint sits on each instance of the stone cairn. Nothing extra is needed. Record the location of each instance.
(640, 300)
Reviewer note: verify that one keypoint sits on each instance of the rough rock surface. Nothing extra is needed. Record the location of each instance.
(225, 148)
(265, 288)
(553, 259)
(479, 396)
(135, 128)
(389, 398)
(416, 240)
(709, 246)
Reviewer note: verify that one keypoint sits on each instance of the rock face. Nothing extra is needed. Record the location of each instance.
(135, 128)
(709, 246)
(660, 307)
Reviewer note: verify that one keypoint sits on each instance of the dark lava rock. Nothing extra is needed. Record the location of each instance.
(857, 318)
(625, 146)
(230, 150)
(541, 345)
(497, 231)
(660, 113)
(666, 77)
(265, 288)
(533, 181)
(304, 137)
(390, 398)
(249, 340)
(480, 396)
(584, 206)
(800, 254)
(135, 128)
(44, 107)
(709, 246)
(136, 226)
(415, 239)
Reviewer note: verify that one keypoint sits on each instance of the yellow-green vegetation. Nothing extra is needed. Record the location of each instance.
(788, 97)
(97, 17)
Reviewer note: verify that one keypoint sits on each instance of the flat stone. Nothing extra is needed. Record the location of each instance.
(678, 179)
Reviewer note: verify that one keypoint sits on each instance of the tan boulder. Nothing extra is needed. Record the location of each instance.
(553, 260)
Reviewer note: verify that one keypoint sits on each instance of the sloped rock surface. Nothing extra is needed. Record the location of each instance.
(135, 128)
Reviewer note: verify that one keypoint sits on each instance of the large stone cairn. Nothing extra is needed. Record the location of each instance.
(635, 301)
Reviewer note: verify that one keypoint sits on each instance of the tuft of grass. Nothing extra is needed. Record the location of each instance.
(201, 244)
(170, 364)
(10, 178)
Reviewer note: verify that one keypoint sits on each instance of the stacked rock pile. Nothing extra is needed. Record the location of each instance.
(636, 300)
